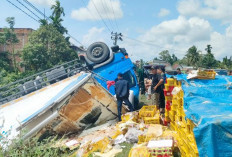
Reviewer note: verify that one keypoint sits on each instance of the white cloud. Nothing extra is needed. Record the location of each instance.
(177, 36)
(108, 9)
(46, 3)
(215, 9)
(94, 35)
(163, 12)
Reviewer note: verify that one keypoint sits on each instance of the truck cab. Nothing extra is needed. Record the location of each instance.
(106, 64)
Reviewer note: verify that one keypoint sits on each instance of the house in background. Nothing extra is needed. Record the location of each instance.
(22, 35)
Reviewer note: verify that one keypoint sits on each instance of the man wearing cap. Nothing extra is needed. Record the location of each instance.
(160, 85)
(155, 92)
(122, 94)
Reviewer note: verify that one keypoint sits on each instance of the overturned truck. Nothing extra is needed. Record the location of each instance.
(74, 103)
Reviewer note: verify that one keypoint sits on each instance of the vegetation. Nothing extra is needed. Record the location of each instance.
(35, 148)
(165, 56)
(196, 58)
(47, 47)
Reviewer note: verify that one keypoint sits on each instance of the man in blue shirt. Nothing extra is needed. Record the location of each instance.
(122, 94)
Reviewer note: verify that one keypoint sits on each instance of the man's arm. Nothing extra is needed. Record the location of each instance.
(159, 83)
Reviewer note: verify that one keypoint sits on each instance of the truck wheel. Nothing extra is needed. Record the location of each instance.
(98, 52)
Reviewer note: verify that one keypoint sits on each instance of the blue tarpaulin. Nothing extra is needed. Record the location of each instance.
(208, 103)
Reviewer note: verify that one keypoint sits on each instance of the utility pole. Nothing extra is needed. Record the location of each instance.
(115, 36)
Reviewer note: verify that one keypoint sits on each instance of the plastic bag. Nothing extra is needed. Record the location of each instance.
(132, 135)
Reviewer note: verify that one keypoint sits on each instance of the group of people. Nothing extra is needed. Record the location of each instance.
(156, 86)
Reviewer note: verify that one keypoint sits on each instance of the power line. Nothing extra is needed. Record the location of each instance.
(48, 18)
(85, 4)
(151, 44)
(36, 9)
(101, 17)
(28, 9)
(114, 14)
(41, 14)
(104, 5)
(21, 10)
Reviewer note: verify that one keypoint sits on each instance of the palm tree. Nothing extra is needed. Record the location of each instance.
(208, 48)
(193, 56)
(58, 11)
(43, 22)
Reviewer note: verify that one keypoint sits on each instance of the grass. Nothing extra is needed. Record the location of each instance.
(126, 150)
(34, 148)
(143, 100)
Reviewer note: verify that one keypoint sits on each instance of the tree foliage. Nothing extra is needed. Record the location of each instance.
(209, 60)
(165, 56)
(46, 48)
(57, 13)
(226, 63)
(193, 56)
(9, 38)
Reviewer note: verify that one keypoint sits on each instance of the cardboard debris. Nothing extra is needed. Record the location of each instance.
(131, 130)
(111, 153)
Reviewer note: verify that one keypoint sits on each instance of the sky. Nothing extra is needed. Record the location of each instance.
(148, 26)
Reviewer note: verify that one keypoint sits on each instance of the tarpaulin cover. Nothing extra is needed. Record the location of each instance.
(208, 103)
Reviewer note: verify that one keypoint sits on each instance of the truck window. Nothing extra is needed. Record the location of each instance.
(130, 78)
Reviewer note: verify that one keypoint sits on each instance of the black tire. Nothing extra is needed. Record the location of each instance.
(98, 52)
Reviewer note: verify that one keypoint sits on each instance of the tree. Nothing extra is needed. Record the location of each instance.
(57, 12)
(209, 60)
(43, 22)
(9, 38)
(193, 56)
(208, 48)
(165, 56)
(226, 63)
(46, 48)
(4, 62)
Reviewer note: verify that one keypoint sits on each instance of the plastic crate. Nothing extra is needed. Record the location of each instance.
(191, 124)
(184, 152)
(168, 88)
(178, 100)
(180, 94)
(101, 145)
(173, 126)
(193, 150)
(139, 151)
(117, 132)
(141, 139)
(151, 120)
(125, 117)
(167, 93)
(171, 81)
(171, 116)
(168, 98)
(168, 107)
(174, 108)
(178, 84)
(147, 111)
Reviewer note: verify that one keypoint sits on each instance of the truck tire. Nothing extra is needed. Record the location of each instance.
(98, 52)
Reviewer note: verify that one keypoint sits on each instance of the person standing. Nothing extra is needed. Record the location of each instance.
(155, 92)
(122, 94)
(178, 71)
(162, 80)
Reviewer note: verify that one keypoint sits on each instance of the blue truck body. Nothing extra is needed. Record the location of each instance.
(120, 64)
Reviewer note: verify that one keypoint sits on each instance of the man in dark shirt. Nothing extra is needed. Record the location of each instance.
(122, 94)
(155, 92)
(162, 80)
